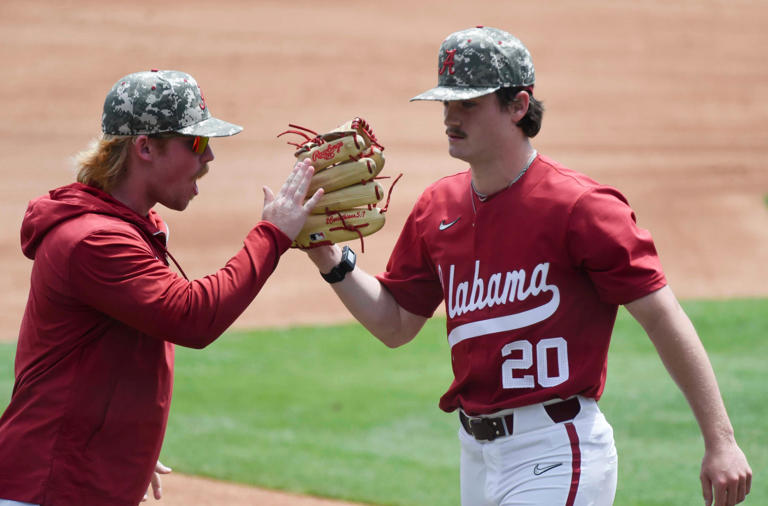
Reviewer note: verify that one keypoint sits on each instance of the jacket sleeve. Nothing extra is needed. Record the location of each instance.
(117, 273)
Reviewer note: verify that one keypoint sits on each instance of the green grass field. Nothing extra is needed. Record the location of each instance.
(331, 412)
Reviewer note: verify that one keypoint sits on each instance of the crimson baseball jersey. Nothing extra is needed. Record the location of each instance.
(531, 278)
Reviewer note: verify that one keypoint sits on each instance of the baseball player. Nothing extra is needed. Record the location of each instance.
(94, 362)
(532, 260)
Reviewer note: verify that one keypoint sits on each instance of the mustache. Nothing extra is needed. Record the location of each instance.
(455, 132)
(203, 171)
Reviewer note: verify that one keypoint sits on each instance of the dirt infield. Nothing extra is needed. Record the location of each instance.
(665, 100)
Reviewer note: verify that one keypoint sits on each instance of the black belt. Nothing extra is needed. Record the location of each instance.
(489, 428)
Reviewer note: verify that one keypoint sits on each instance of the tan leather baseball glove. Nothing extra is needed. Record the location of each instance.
(347, 162)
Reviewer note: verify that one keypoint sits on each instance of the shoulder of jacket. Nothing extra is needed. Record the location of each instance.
(79, 228)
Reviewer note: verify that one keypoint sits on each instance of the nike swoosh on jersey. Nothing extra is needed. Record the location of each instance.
(444, 225)
(539, 469)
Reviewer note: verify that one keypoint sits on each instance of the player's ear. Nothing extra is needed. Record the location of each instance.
(142, 147)
(519, 106)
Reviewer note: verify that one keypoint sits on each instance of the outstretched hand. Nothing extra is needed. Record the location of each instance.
(287, 210)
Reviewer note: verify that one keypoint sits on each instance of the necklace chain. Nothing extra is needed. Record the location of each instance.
(483, 196)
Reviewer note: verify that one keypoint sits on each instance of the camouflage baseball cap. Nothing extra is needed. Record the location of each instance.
(479, 61)
(160, 101)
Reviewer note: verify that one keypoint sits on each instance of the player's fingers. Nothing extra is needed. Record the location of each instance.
(162, 469)
(297, 168)
(706, 490)
(737, 490)
(303, 181)
(268, 195)
(741, 494)
(721, 495)
(289, 186)
(731, 496)
(297, 174)
(156, 482)
(305, 163)
(306, 170)
(312, 202)
(157, 489)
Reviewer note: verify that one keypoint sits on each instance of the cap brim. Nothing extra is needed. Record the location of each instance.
(443, 93)
(211, 127)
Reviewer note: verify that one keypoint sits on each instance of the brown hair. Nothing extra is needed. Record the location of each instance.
(531, 122)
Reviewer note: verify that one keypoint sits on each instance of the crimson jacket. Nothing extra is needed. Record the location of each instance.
(94, 363)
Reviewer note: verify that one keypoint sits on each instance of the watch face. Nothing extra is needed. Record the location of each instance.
(347, 264)
(348, 258)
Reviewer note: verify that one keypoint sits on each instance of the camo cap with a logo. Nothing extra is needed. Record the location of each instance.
(159, 101)
(479, 61)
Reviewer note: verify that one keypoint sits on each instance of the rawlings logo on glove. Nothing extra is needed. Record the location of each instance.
(347, 160)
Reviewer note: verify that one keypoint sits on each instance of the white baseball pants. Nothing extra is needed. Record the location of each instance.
(570, 463)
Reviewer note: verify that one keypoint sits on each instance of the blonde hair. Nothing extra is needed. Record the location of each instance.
(102, 165)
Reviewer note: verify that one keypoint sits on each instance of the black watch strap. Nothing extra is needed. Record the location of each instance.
(346, 265)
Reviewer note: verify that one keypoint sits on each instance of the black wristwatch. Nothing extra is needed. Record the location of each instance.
(346, 265)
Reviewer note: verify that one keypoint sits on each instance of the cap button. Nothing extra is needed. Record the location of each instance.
(479, 26)
(155, 70)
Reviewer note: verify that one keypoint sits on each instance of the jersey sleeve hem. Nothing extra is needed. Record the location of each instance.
(405, 297)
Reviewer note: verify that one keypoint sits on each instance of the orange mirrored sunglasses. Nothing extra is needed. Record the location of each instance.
(199, 144)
